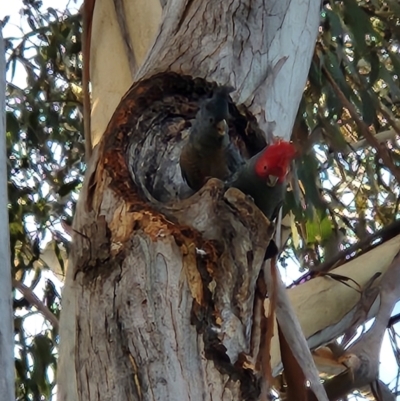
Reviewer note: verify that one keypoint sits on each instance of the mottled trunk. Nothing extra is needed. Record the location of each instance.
(163, 298)
(166, 290)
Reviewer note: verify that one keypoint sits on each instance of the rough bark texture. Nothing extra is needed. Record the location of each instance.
(160, 298)
(175, 282)
(159, 295)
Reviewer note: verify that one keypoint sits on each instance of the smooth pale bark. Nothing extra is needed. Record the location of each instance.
(363, 357)
(250, 43)
(111, 74)
(327, 308)
(261, 48)
(7, 382)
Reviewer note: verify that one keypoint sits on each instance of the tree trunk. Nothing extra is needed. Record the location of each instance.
(160, 292)
(122, 30)
(7, 382)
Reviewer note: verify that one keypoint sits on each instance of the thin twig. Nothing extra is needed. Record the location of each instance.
(381, 149)
(364, 245)
(30, 296)
(380, 137)
(389, 118)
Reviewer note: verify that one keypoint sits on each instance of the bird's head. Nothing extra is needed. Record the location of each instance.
(216, 110)
(273, 164)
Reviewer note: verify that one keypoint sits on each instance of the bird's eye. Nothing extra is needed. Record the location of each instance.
(211, 120)
(265, 168)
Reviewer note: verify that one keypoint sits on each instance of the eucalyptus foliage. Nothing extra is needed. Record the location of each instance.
(45, 161)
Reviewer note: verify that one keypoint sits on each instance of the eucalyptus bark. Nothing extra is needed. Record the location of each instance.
(160, 291)
(7, 381)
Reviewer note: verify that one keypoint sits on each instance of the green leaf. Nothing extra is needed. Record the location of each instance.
(393, 87)
(335, 137)
(368, 108)
(307, 168)
(16, 228)
(360, 26)
(375, 68)
(335, 69)
(396, 62)
(12, 127)
(333, 103)
(335, 24)
(318, 229)
(315, 75)
(41, 350)
(68, 187)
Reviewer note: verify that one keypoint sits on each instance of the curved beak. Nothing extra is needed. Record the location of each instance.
(272, 180)
(222, 127)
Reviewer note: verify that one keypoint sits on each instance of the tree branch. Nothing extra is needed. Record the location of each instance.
(365, 245)
(35, 301)
(380, 137)
(362, 358)
(87, 17)
(291, 329)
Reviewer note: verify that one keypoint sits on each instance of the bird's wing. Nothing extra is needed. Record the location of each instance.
(234, 159)
(190, 167)
(274, 199)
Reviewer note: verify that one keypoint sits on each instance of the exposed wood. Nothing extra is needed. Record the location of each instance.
(30, 296)
(160, 293)
(191, 271)
(362, 358)
(178, 261)
(295, 378)
(381, 137)
(235, 35)
(7, 386)
(66, 379)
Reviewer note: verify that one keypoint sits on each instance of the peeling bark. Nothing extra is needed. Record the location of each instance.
(159, 299)
(175, 278)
